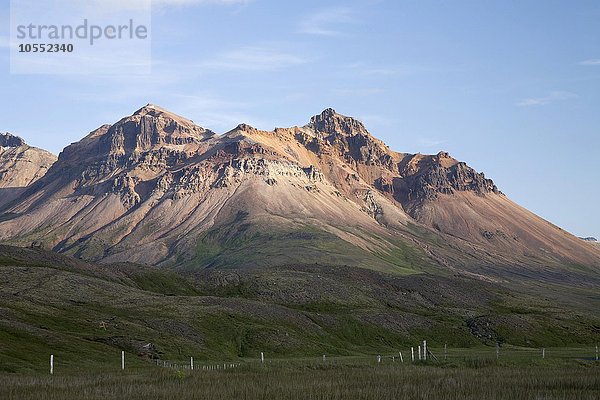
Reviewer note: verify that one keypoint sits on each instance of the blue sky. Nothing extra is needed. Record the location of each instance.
(510, 87)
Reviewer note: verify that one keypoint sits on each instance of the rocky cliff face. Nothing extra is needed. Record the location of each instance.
(441, 174)
(156, 188)
(346, 137)
(8, 140)
(20, 164)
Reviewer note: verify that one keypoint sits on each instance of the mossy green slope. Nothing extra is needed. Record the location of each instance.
(88, 313)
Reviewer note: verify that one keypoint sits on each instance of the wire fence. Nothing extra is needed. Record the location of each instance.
(434, 355)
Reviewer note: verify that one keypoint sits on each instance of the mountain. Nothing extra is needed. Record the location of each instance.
(20, 165)
(157, 189)
(301, 241)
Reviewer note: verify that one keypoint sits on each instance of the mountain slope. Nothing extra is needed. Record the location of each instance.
(155, 188)
(20, 166)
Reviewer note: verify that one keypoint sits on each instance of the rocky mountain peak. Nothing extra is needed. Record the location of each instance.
(20, 164)
(151, 128)
(144, 144)
(149, 187)
(331, 123)
(245, 128)
(428, 176)
(155, 114)
(156, 111)
(149, 108)
(8, 140)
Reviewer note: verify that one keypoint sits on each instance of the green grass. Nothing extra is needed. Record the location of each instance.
(345, 378)
(257, 247)
(244, 243)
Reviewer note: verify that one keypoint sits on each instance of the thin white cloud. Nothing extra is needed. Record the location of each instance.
(552, 97)
(254, 59)
(327, 22)
(591, 62)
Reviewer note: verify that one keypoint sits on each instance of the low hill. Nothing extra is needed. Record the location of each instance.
(86, 312)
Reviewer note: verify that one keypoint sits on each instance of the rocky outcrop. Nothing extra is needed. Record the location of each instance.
(330, 123)
(20, 164)
(237, 170)
(333, 133)
(8, 140)
(439, 174)
(151, 134)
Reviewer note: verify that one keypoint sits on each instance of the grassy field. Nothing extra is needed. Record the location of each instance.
(465, 375)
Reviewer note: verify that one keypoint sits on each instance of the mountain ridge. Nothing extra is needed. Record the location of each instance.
(314, 239)
(156, 188)
(20, 166)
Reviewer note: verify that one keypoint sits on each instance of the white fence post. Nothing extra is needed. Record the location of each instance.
(262, 357)
(51, 364)
(122, 360)
(401, 359)
(544, 353)
(191, 363)
(412, 353)
(419, 352)
(425, 350)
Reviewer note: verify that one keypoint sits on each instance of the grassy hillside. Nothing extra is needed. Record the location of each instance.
(55, 304)
(243, 243)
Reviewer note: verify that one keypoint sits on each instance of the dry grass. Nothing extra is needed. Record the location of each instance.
(296, 380)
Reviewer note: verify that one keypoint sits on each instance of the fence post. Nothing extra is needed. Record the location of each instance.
(401, 359)
(445, 352)
(323, 357)
(419, 352)
(122, 360)
(191, 363)
(543, 352)
(596, 352)
(262, 357)
(51, 364)
(425, 350)
(497, 351)
(412, 353)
